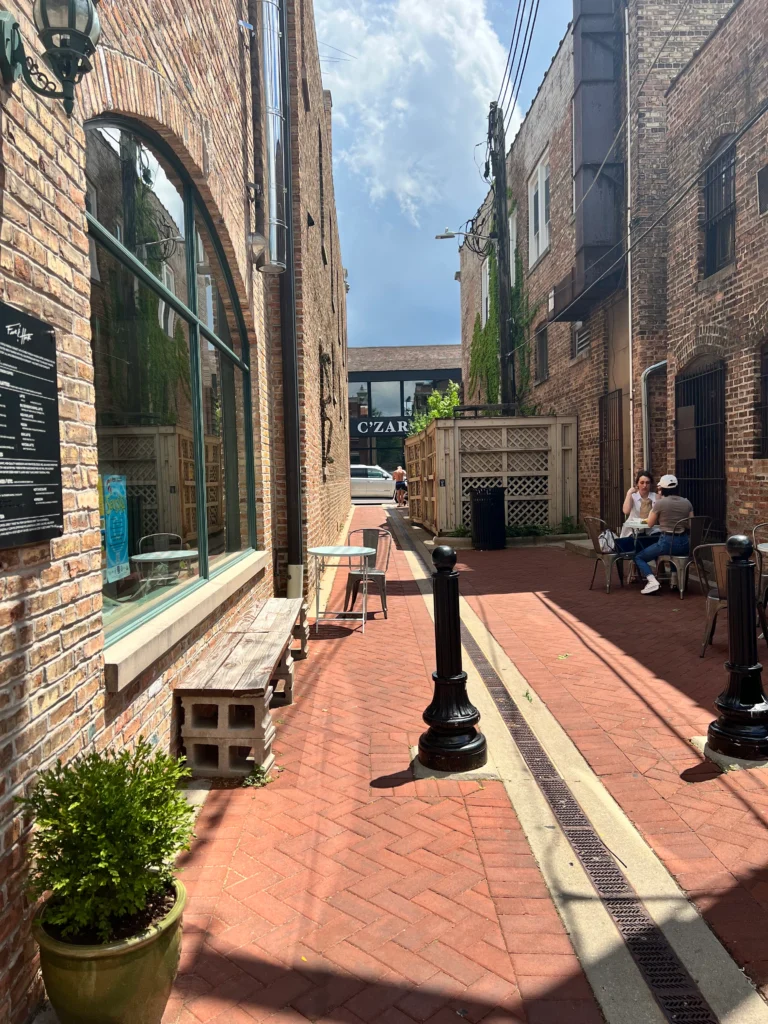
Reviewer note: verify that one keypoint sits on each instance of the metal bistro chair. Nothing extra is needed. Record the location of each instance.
(378, 563)
(161, 573)
(760, 536)
(712, 565)
(595, 527)
(698, 528)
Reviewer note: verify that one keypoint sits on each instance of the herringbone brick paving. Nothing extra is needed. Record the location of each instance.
(623, 676)
(348, 892)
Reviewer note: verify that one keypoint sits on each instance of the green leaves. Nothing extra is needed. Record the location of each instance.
(440, 406)
(108, 827)
(484, 368)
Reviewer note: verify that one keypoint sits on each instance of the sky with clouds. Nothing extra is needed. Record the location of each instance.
(409, 106)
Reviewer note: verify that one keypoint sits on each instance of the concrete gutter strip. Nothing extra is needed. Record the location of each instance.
(126, 659)
(598, 944)
(722, 983)
(615, 979)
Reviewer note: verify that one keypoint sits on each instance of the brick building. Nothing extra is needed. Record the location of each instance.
(388, 386)
(134, 230)
(568, 223)
(715, 417)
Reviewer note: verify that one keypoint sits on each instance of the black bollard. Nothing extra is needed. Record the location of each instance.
(452, 743)
(742, 728)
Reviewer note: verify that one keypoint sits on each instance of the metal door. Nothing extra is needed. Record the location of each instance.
(700, 442)
(611, 458)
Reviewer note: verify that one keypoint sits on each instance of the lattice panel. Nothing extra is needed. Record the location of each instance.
(135, 447)
(527, 513)
(527, 487)
(528, 437)
(134, 472)
(150, 519)
(528, 462)
(481, 462)
(480, 439)
(468, 482)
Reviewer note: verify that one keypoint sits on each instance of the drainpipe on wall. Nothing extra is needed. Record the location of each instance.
(279, 253)
(629, 245)
(646, 424)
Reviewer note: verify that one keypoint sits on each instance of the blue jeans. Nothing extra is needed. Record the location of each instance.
(668, 544)
(627, 544)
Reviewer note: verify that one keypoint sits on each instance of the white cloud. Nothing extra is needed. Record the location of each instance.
(409, 110)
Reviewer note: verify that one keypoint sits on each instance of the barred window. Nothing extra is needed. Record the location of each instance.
(542, 354)
(720, 210)
(763, 406)
(580, 338)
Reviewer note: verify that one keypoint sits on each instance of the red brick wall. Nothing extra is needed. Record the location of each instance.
(724, 316)
(155, 64)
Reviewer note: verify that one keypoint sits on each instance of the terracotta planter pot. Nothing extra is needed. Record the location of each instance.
(125, 982)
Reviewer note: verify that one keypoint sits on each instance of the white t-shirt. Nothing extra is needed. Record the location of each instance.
(636, 499)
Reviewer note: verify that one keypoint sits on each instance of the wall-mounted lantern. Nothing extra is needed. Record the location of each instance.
(69, 30)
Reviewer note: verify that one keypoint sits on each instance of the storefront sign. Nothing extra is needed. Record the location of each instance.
(30, 460)
(116, 528)
(393, 426)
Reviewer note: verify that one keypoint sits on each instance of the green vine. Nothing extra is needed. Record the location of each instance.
(522, 315)
(484, 371)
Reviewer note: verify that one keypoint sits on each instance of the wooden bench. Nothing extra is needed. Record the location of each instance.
(226, 727)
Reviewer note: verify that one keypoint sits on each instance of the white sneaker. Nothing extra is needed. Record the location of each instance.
(651, 586)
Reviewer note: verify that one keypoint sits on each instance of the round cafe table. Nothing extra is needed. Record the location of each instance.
(339, 553)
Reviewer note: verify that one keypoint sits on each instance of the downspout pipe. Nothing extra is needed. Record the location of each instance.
(291, 416)
(630, 330)
(272, 122)
(655, 368)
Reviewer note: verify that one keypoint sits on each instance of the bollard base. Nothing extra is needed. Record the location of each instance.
(455, 753)
(745, 743)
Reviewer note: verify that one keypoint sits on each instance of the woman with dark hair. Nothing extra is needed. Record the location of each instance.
(668, 511)
(638, 504)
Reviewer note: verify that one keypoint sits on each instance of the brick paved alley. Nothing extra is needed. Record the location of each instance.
(345, 891)
(623, 676)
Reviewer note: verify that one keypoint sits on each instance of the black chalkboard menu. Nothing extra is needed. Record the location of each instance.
(30, 459)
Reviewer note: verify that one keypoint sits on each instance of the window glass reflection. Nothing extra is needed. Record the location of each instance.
(135, 197)
(358, 399)
(146, 469)
(416, 393)
(223, 417)
(385, 398)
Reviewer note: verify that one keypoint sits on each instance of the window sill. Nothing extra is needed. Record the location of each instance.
(543, 380)
(580, 357)
(127, 658)
(714, 281)
(540, 259)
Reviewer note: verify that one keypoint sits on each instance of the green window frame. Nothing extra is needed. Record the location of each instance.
(193, 204)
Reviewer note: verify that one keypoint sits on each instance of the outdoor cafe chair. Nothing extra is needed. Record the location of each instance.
(595, 526)
(711, 565)
(698, 528)
(378, 564)
(760, 536)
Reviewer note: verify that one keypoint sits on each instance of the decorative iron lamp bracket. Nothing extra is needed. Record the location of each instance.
(67, 53)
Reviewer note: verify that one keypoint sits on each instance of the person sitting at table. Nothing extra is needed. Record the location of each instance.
(669, 509)
(638, 504)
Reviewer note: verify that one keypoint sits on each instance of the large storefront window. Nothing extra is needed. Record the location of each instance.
(171, 382)
(385, 398)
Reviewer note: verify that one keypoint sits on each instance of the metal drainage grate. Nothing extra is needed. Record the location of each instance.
(666, 977)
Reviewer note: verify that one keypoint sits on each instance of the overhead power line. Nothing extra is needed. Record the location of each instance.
(532, 14)
(506, 78)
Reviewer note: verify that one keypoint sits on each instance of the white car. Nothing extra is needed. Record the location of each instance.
(371, 482)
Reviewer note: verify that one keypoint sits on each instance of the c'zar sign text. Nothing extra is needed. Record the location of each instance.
(366, 427)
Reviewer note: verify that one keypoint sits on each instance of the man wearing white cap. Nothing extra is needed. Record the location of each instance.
(667, 513)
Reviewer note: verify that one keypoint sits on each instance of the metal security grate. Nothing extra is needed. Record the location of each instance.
(666, 977)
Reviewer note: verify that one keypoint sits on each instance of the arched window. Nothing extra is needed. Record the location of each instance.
(171, 379)
(720, 208)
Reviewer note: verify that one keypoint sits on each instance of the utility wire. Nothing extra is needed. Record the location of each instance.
(674, 202)
(511, 56)
(633, 105)
(521, 67)
(337, 49)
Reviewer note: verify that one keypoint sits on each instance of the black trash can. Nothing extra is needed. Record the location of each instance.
(488, 527)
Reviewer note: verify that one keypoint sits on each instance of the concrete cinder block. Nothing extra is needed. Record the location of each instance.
(225, 737)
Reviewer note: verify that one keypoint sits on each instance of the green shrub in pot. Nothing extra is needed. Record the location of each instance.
(107, 829)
